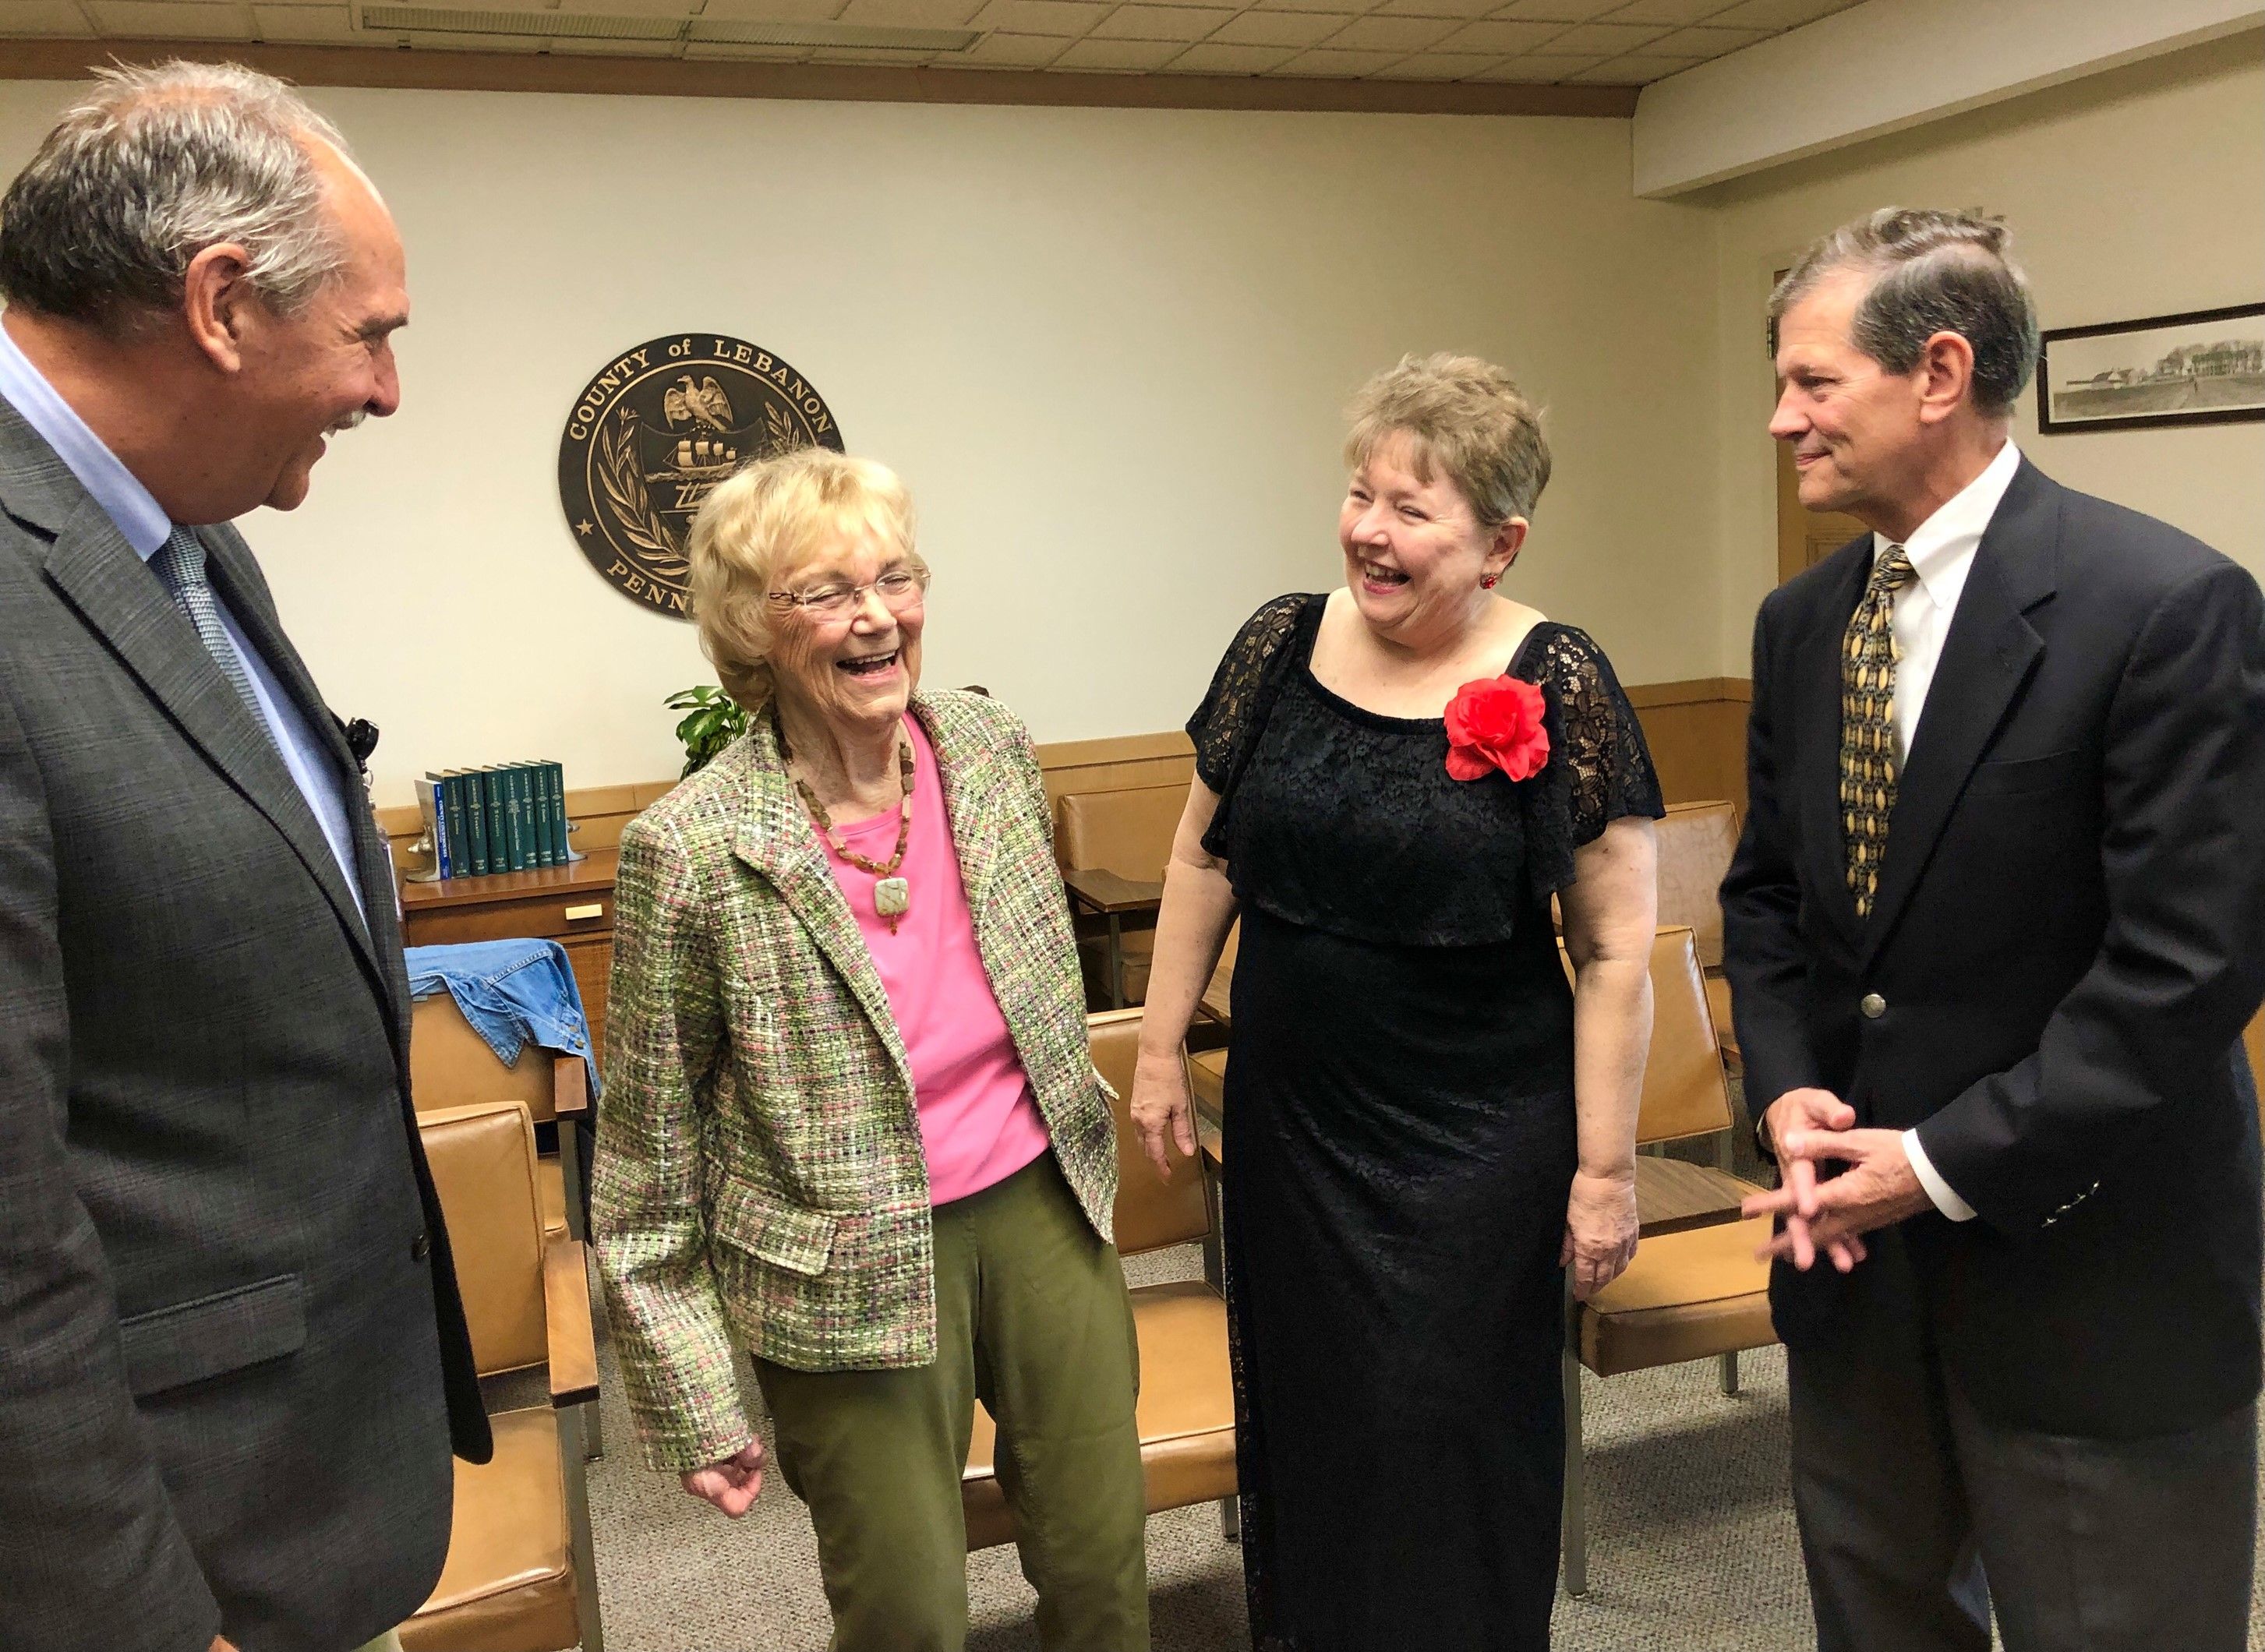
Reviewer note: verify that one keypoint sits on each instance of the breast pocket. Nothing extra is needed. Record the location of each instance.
(2020, 776)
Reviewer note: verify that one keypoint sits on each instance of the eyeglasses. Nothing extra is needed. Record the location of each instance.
(900, 588)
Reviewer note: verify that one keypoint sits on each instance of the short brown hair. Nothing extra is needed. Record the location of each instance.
(1932, 271)
(766, 521)
(1468, 417)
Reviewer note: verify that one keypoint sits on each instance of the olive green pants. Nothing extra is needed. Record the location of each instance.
(1031, 1319)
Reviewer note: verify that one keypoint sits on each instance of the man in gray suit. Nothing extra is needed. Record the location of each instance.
(232, 1359)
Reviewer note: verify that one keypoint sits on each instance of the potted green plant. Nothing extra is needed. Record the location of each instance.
(712, 721)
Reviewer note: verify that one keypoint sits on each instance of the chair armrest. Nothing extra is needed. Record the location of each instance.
(569, 1086)
(566, 1309)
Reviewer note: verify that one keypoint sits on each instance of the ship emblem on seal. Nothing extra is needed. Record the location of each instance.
(650, 435)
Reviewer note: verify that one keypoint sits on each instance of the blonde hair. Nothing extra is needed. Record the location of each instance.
(1466, 416)
(766, 521)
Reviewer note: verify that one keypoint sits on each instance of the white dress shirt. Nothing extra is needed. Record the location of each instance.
(144, 525)
(1941, 552)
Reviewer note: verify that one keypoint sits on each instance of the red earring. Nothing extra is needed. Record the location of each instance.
(1487, 582)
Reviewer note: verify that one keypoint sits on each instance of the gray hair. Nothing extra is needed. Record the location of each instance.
(151, 167)
(1932, 271)
(1466, 415)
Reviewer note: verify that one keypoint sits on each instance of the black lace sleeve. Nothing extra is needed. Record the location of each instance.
(1607, 766)
(1227, 719)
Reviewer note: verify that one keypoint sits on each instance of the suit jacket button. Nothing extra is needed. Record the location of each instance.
(1874, 1006)
(421, 1248)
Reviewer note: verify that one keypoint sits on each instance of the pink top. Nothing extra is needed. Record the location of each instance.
(978, 1121)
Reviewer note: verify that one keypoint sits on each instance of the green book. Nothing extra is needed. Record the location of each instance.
(538, 814)
(555, 776)
(515, 816)
(476, 820)
(493, 791)
(452, 809)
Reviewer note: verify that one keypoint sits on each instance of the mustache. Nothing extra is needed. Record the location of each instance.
(339, 426)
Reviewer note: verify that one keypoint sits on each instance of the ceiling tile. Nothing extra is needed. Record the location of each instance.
(570, 47)
(1134, 55)
(1218, 57)
(1402, 35)
(1605, 37)
(1277, 28)
(1339, 65)
(1778, 14)
(1439, 66)
(1158, 22)
(47, 16)
(1498, 39)
(912, 14)
(1537, 70)
(1704, 42)
(1068, 18)
(1000, 50)
(152, 19)
(1669, 11)
(769, 11)
(1557, 11)
(865, 56)
(628, 8)
(1637, 68)
(303, 26)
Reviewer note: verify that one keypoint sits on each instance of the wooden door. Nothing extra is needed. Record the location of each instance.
(1804, 537)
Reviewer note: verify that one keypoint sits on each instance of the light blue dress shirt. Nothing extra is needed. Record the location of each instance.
(145, 526)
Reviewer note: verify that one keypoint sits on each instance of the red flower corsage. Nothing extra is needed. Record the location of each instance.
(1495, 723)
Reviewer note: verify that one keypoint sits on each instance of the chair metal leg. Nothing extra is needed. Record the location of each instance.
(572, 1423)
(569, 1173)
(1230, 1519)
(1575, 1545)
(1116, 962)
(1729, 1373)
(593, 1436)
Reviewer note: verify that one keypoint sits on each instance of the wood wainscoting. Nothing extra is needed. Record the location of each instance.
(1697, 731)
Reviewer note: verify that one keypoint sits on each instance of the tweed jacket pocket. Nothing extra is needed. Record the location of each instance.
(764, 1225)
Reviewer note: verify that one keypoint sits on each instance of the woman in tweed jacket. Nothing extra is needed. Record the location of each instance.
(850, 1122)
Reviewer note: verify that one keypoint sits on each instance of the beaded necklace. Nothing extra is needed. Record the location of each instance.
(892, 895)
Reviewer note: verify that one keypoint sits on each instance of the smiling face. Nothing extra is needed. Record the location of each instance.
(1856, 430)
(1414, 550)
(307, 377)
(855, 672)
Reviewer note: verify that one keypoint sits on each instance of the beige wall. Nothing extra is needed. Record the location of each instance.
(1107, 349)
(2137, 192)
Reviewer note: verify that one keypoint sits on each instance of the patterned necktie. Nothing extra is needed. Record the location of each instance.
(180, 563)
(1867, 725)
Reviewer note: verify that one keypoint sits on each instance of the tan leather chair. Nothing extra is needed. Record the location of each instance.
(1128, 832)
(519, 1577)
(1696, 842)
(1218, 999)
(1186, 1409)
(2253, 1037)
(1694, 1293)
(451, 1066)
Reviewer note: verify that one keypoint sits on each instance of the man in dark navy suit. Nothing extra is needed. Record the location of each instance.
(1994, 928)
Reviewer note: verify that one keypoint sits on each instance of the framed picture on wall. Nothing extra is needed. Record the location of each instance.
(2203, 368)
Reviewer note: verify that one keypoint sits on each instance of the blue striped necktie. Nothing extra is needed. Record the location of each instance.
(180, 563)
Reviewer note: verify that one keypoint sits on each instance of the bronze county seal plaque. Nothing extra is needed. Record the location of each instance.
(654, 431)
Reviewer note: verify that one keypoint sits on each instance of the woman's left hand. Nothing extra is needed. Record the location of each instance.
(1599, 1230)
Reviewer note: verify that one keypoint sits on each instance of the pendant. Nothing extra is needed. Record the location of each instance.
(893, 898)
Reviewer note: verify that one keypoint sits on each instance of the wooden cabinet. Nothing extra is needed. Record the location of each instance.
(571, 905)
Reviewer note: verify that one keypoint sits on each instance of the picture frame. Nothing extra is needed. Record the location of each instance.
(2204, 366)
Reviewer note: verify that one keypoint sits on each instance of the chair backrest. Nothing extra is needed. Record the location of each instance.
(1685, 1092)
(451, 1066)
(1151, 1213)
(1128, 832)
(483, 1161)
(1696, 842)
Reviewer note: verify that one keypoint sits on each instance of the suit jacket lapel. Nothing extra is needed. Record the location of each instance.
(1817, 774)
(228, 561)
(971, 800)
(1990, 652)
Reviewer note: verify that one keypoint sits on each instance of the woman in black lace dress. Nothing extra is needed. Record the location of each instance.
(1422, 1133)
